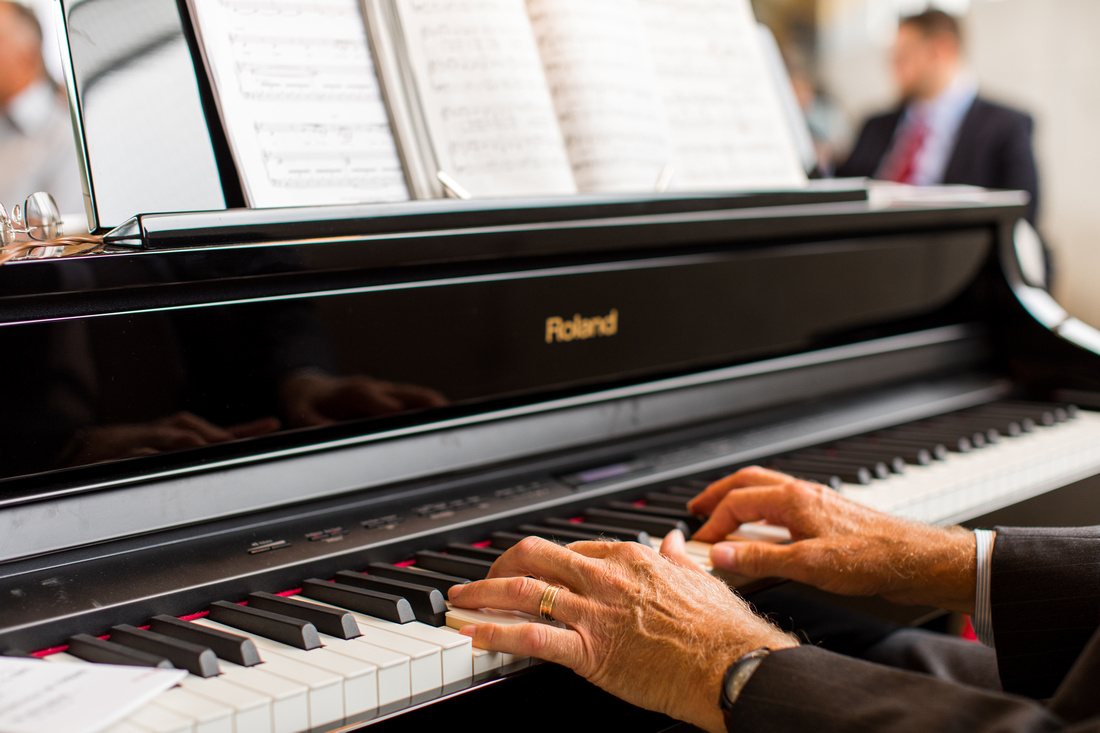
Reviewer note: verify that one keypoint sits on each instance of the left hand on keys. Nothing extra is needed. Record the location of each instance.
(652, 628)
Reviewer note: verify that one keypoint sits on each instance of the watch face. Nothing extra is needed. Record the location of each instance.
(738, 675)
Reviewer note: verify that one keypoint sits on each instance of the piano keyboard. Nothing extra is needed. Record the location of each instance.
(369, 644)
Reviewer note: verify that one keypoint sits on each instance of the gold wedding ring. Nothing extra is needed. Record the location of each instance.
(546, 605)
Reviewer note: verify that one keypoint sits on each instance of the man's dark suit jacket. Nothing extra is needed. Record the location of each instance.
(1046, 614)
(992, 149)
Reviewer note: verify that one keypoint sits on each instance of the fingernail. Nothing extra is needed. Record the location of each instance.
(677, 533)
(723, 556)
(468, 630)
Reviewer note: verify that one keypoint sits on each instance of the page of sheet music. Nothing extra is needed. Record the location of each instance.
(483, 93)
(603, 83)
(298, 95)
(728, 127)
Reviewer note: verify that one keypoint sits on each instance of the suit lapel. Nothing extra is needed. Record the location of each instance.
(961, 162)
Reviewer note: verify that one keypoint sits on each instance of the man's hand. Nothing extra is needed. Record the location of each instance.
(653, 629)
(838, 545)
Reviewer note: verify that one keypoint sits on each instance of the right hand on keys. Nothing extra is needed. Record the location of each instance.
(838, 545)
(652, 628)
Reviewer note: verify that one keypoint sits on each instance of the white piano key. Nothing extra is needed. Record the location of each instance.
(459, 617)
(209, 716)
(425, 660)
(326, 687)
(394, 677)
(289, 699)
(455, 653)
(126, 726)
(252, 710)
(483, 660)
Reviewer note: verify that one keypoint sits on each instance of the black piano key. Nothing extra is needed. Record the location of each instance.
(477, 553)
(440, 581)
(680, 490)
(602, 531)
(669, 501)
(561, 535)
(331, 621)
(506, 540)
(463, 567)
(845, 469)
(1040, 414)
(955, 422)
(867, 456)
(910, 450)
(1005, 424)
(197, 659)
(93, 649)
(275, 626)
(693, 521)
(428, 604)
(659, 526)
(17, 653)
(230, 647)
(955, 443)
(385, 606)
(856, 475)
(828, 479)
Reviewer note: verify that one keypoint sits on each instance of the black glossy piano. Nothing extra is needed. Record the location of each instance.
(260, 445)
(186, 428)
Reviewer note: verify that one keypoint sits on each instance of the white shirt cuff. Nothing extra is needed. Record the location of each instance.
(983, 610)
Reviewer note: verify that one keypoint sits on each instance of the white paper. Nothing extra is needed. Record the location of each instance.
(37, 696)
(604, 87)
(484, 96)
(300, 101)
(728, 126)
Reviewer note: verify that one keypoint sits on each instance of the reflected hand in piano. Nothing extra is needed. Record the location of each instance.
(655, 630)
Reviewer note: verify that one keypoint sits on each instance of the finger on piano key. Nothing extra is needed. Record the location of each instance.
(327, 620)
(94, 649)
(326, 685)
(460, 617)
(428, 604)
(386, 605)
(440, 581)
(425, 659)
(287, 630)
(230, 647)
(196, 659)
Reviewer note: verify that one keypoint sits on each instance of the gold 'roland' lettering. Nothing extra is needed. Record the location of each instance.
(559, 330)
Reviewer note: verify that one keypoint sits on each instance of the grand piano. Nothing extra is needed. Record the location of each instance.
(216, 406)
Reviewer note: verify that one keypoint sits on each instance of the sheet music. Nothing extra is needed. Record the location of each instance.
(300, 101)
(604, 88)
(483, 93)
(727, 124)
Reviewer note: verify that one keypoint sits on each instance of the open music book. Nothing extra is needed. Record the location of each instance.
(489, 98)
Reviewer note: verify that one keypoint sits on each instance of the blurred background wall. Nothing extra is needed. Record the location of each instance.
(1038, 55)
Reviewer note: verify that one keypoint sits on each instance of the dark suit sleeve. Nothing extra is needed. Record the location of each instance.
(1045, 594)
(1018, 171)
(870, 148)
(812, 689)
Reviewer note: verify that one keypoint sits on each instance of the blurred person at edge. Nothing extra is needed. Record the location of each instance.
(943, 130)
(37, 150)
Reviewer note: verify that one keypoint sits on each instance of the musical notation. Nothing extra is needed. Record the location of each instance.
(300, 101)
(604, 86)
(483, 94)
(724, 115)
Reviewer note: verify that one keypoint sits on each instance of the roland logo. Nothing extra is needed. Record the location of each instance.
(581, 329)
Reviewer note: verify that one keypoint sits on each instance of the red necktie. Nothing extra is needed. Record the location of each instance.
(904, 164)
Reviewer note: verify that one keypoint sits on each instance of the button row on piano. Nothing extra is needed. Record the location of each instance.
(364, 644)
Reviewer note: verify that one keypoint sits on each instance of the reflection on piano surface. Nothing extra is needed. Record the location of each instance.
(891, 353)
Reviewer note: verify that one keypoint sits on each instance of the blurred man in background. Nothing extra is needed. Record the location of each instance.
(37, 150)
(943, 131)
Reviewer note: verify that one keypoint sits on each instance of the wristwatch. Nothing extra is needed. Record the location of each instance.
(737, 676)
